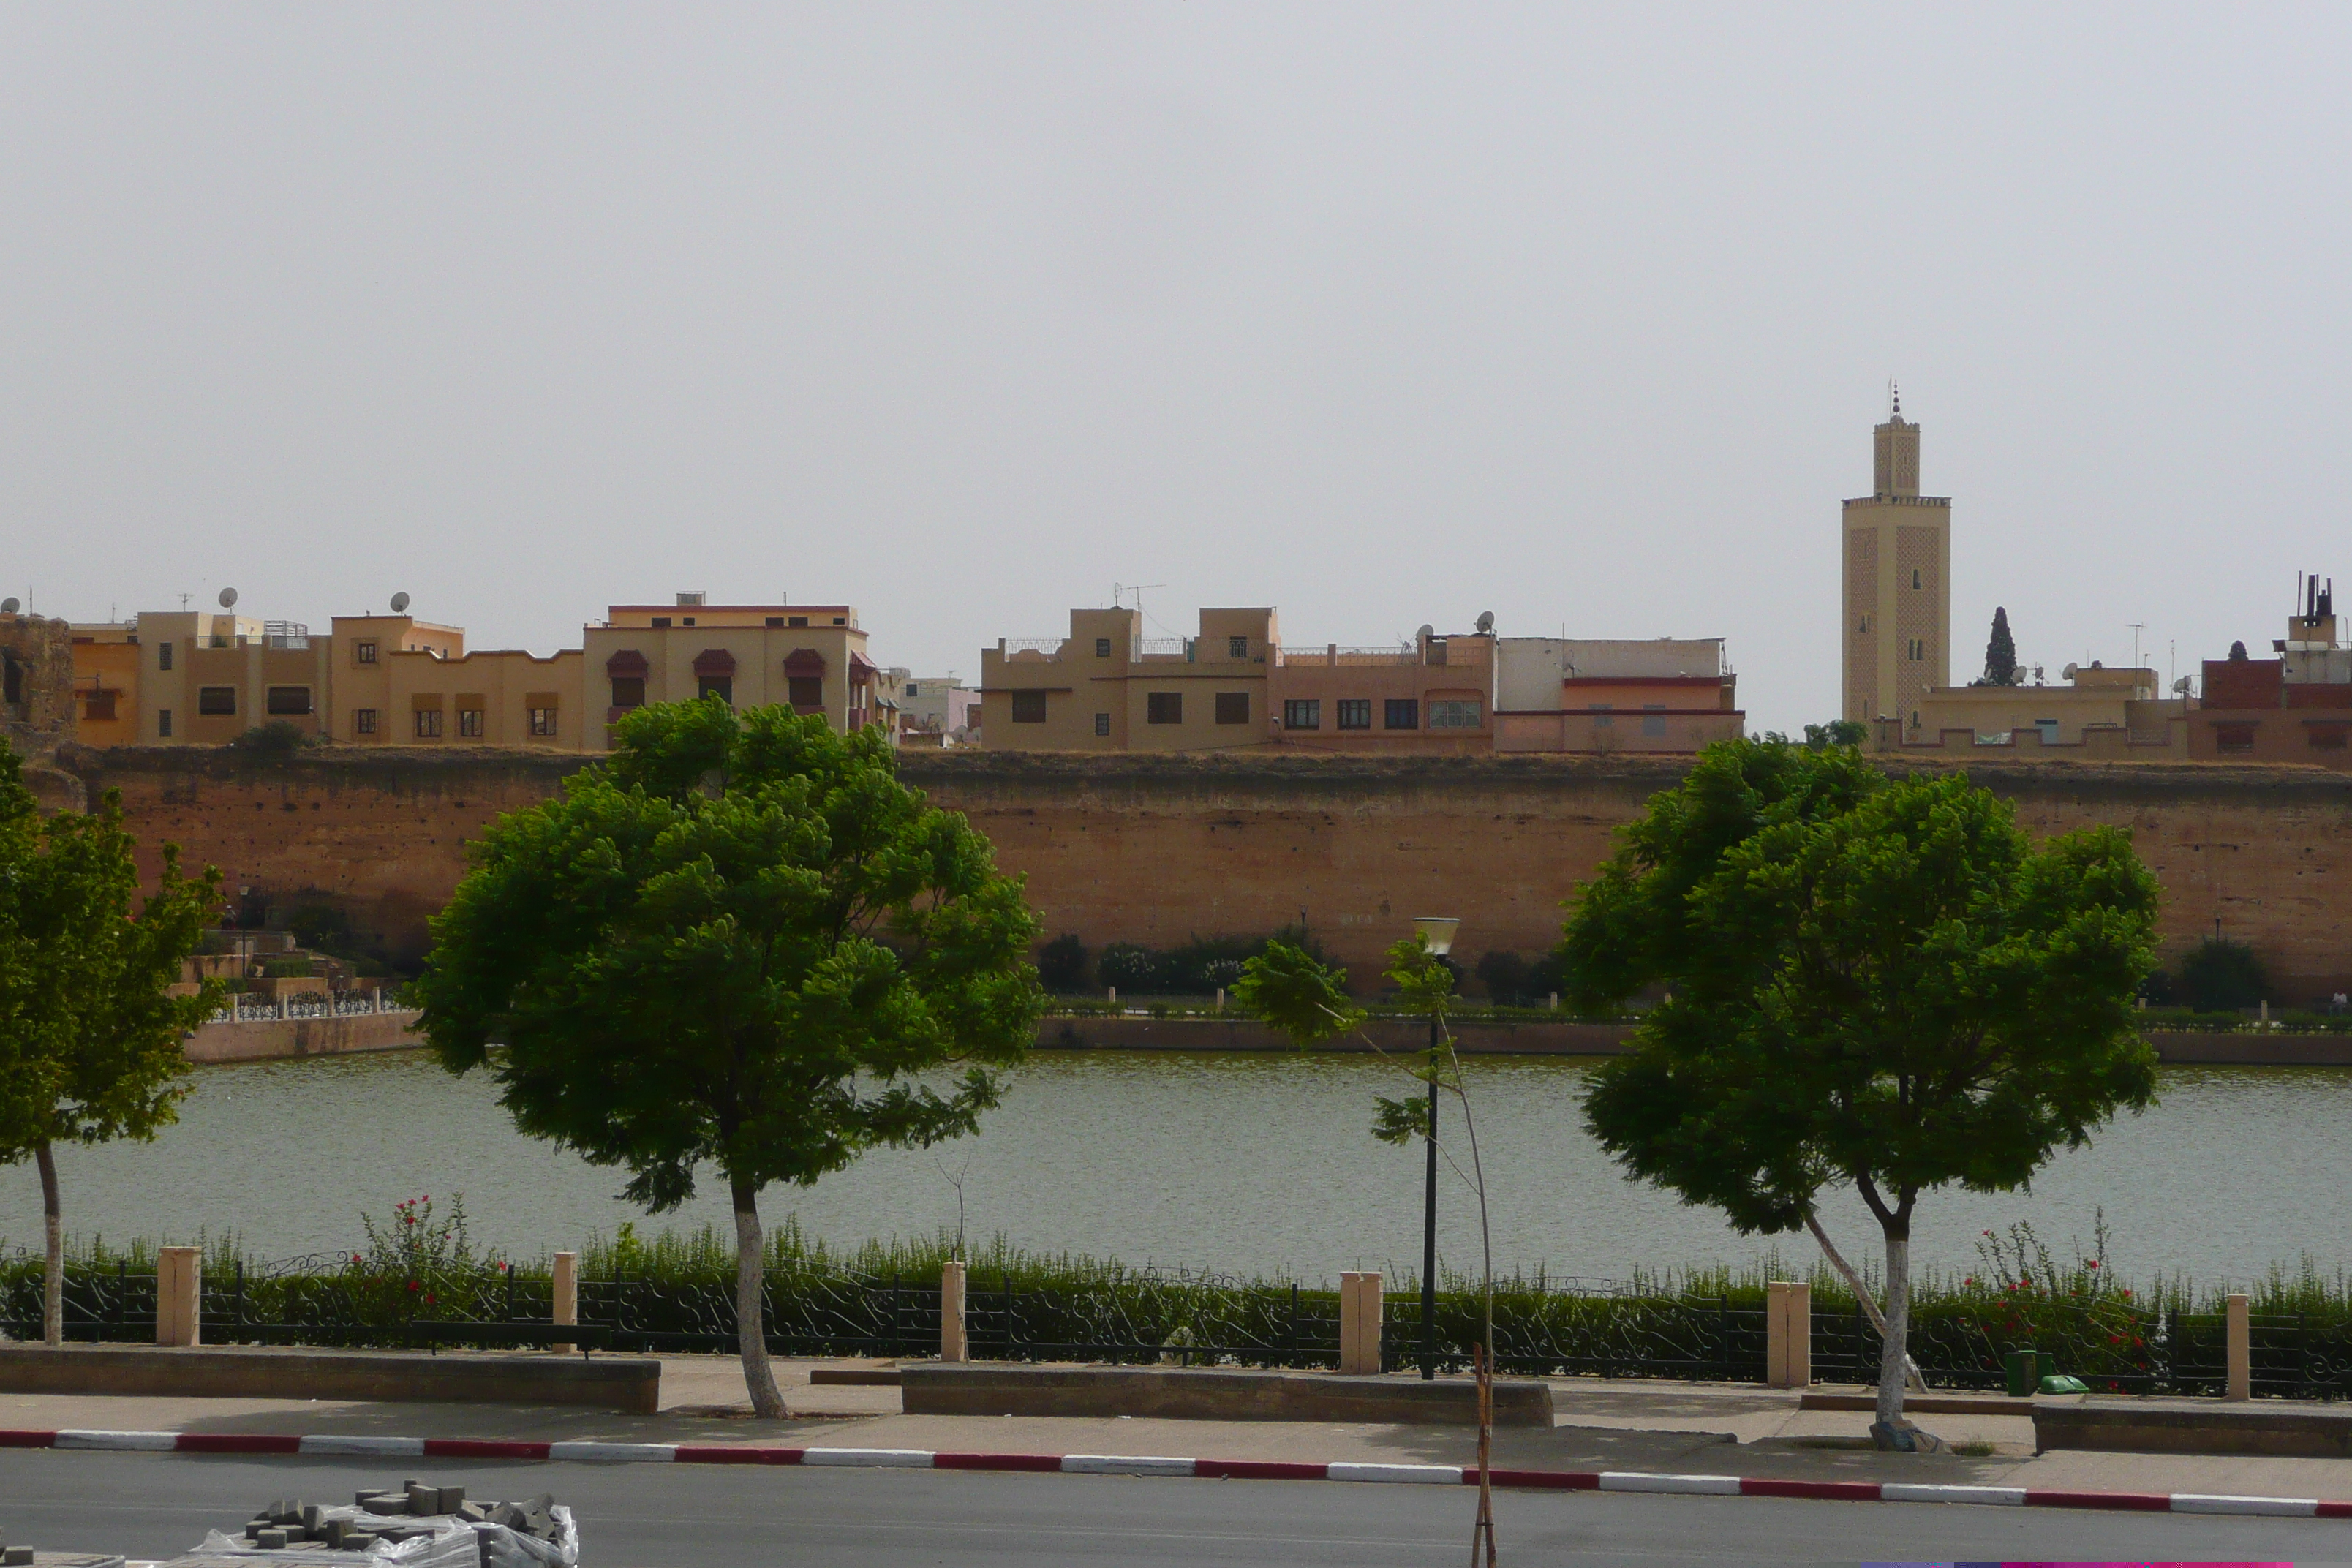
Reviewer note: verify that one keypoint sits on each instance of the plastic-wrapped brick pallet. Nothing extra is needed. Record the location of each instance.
(453, 1544)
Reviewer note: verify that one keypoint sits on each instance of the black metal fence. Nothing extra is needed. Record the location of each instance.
(1179, 1318)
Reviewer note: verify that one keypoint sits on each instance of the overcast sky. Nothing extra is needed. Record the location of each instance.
(1379, 315)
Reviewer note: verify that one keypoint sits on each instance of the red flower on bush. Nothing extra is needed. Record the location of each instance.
(412, 1284)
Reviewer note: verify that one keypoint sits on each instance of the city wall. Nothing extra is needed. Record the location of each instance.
(1157, 848)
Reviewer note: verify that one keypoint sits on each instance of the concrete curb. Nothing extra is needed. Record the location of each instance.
(1157, 1465)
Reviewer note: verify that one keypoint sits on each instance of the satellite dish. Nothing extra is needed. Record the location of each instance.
(399, 603)
(1427, 632)
(9, 607)
(2180, 687)
(227, 598)
(1486, 622)
(2067, 673)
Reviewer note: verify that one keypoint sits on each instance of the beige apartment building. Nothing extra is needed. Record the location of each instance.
(2098, 714)
(812, 656)
(202, 677)
(1107, 688)
(401, 681)
(1604, 695)
(197, 678)
(1897, 604)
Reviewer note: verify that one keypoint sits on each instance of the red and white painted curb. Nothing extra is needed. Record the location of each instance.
(1145, 1465)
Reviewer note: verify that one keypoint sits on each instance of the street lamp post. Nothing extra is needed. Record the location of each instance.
(1437, 930)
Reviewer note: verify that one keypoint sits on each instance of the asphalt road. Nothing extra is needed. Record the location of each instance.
(662, 1516)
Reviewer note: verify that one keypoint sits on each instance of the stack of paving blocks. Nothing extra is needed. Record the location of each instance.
(391, 1516)
(26, 1557)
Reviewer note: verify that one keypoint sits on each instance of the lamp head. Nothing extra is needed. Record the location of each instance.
(1437, 930)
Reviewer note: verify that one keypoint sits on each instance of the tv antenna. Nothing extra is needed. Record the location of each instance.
(2136, 627)
(1118, 593)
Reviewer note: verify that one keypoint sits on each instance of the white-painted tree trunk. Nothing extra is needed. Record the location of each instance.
(1894, 1358)
(1862, 1294)
(751, 1321)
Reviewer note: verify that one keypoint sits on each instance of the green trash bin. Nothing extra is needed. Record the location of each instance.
(2022, 1369)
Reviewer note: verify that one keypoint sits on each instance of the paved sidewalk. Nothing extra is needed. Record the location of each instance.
(1714, 1429)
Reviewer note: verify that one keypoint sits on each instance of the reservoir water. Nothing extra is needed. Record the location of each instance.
(1234, 1162)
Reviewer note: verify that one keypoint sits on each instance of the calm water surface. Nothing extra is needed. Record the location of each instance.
(1240, 1162)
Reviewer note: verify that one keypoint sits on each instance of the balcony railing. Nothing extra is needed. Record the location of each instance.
(1046, 648)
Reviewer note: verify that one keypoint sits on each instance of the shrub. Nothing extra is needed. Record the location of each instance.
(1130, 967)
(285, 968)
(1513, 982)
(278, 738)
(1062, 964)
(2222, 976)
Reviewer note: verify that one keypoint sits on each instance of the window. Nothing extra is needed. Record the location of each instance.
(723, 687)
(796, 621)
(1914, 577)
(1864, 624)
(163, 723)
(1102, 723)
(1354, 712)
(1237, 648)
(362, 720)
(686, 621)
(661, 620)
(1403, 713)
(1164, 708)
(628, 691)
(775, 621)
(362, 653)
(100, 705)
(1302, 713)
(1028, 707)
(841, 620)
(543, 722)
(163, 658)
(1454, 713)
(2233, 737)
(804, 690)
(1602, 718)
(1653, 719)
(914, 689)
(469, 723)
(1916, 650)
(1233, 707)
(289, 699)
(2326, 737)
(1102, 648)
(428, 724)
(216, 699)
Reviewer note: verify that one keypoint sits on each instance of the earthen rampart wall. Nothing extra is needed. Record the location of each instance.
(1155, 849)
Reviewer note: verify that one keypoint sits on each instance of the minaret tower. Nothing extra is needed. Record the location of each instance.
(1897, 593)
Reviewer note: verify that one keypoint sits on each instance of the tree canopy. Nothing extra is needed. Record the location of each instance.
(740, 942)
(1862, 980)
(89, 1033)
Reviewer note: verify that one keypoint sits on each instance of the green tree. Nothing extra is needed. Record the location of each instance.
(1865, 981)
(1836, 732)
(743, 942)
(1290, 987)
(90, 1034)
(2001, 653)
(2221, 976)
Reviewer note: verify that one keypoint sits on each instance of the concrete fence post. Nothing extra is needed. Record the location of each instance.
(567, 1295)
(179, 1280)
(953, 1345)
(2242, 1349)
(281, 1004)
(1788, 1334)
(1114, 994)
(1361, 1307)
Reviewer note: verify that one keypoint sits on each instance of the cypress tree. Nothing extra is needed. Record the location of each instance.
(2001, 653)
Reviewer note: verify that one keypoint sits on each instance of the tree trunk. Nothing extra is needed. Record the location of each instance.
(1861, 1294)
(1893, 1350)
(750, 1322)
(53, 1225)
